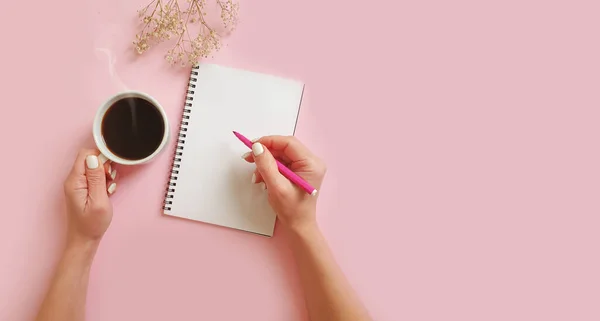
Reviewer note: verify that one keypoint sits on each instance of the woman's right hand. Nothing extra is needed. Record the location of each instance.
(294, 207)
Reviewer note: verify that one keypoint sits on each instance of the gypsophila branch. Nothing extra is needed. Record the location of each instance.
(164, 20)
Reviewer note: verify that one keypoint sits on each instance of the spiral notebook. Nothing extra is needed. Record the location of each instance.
(210, 182)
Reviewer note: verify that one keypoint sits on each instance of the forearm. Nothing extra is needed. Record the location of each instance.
(66, 297)
(327, 292)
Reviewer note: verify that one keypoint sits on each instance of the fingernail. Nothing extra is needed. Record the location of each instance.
(113, 174)
(112, 188)
(264, 186)
(255, 140)
(109, 168)
(102, 158)
(253, 178)
(245, 155)
(91, 161)
(257, 149)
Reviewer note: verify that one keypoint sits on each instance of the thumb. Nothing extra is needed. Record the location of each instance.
(267, 167)
(96, 178)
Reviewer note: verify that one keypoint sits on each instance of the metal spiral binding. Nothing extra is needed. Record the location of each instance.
(187, 110)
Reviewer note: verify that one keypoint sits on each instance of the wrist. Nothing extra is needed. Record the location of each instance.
(303, 229)
(81, 249)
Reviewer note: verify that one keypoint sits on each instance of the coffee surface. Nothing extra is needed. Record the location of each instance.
(133, 128)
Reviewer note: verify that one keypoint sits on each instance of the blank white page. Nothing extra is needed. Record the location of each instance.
(213, 182)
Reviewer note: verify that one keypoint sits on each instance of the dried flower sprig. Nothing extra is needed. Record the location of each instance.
(165, 19)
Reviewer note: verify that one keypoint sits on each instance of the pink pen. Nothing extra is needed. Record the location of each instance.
(293, 177)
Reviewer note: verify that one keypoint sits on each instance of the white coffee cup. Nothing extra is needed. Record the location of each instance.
(105, 153)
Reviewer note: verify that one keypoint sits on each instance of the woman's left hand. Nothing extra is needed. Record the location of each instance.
(89, 211)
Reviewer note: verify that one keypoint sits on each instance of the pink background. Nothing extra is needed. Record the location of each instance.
(461, 138)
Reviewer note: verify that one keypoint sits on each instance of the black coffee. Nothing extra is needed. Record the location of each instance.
(133, 128)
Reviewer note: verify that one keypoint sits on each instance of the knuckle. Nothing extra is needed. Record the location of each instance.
(97, 207)
(293, 141)
(69, 184)
(67, 187)
(322, 171)
(96, 178)
(322, 167)
(316, 164)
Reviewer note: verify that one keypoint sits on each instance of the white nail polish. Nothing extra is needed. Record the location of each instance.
(112, 188)
(264, 186)
(245, 155)
(113, 174)
(257, 149)
(253, 178)
(102, 158)
(109, 168)
(255, 140)
(91, 162)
